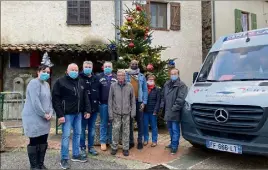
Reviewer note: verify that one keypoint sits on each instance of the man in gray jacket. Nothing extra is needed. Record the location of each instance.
(121, 106)
(174, 93)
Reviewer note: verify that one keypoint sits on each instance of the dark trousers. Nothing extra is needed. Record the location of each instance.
(139, 120)
(38, 140)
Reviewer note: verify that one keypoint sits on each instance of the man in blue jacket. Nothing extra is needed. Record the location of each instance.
(138, 81)
(91, 85)
(106, 79)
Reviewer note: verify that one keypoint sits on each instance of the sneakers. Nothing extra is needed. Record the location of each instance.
(83, 153)
(173, 151)
(140, 146)
(145, 143)
(125, 152)
(131, 145)
(64, 164)
(103, 147)
(92, 151)
(79, 159)
(113, 152)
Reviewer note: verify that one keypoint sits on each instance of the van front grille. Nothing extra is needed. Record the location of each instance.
(244, 118)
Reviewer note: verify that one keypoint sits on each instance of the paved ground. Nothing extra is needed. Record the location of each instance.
(187, 157)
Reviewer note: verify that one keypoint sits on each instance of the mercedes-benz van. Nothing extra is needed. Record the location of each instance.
(226, 108)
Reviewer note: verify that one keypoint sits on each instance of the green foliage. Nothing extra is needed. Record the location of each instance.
(135, 43)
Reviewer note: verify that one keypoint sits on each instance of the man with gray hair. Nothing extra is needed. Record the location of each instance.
(122, 106)
(91, 84)
(71, 103)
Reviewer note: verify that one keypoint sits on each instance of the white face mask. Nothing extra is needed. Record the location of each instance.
(150, 83)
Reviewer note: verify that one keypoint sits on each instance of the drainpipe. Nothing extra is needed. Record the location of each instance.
(213, 22)
(121, 13)
(117, 18)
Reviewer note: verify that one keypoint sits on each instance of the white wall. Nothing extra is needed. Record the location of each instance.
(225, 15)
(186, 44)
(45, 22)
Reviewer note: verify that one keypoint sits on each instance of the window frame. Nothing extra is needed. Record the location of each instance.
(79, 13)
(166, 18)
(248, 15)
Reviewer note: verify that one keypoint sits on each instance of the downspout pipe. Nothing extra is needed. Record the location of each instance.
(117, 17)
(213, 28)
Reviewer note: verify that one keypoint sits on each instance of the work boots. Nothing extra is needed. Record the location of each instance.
(32, 154)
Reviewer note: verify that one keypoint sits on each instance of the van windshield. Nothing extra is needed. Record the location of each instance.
(240, 64)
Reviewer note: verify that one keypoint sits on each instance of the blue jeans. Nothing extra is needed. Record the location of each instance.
(105, 126)
(152, 119)
(88, 124)
(139, 120)
(71, 121)
(174, 132)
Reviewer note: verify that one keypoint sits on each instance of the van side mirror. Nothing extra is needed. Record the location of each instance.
(195, 76)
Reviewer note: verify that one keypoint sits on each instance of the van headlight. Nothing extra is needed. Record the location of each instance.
(187, 106)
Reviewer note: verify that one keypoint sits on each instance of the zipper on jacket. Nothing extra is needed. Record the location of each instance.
(74, 91)
(78, 96)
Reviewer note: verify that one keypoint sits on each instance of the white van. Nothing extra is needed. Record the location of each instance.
(226, 108)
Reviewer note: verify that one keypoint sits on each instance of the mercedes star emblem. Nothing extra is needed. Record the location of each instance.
(221, 115)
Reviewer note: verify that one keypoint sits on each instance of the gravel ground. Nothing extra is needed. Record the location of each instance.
(19, 160)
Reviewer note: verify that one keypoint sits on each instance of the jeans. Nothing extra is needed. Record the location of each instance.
(152, 119)
(105, 126)
(71, 121)
(88, 124)
(139, 120)
(174, 132)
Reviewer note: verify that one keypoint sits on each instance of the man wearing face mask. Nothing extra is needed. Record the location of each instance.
(70, 101)
(174, 93)
(92, 87)
(106, 79)
(138, 81)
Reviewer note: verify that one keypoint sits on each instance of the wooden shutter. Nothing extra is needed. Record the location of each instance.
(175, 16)
(238, 24)
(253, 21)
(147, 8)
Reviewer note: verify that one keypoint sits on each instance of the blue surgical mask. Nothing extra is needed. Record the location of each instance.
(107, 70)
(44, 76)
(87, 71)
(73, 74)
(174, 77)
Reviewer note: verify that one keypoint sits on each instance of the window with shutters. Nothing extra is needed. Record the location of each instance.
(158, 13)
(78, 12)
(175, 16)
(241, 21)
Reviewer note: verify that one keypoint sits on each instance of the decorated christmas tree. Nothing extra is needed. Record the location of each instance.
(135, 43)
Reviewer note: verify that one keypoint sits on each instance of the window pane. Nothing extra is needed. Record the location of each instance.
(84, 4)
(72, 15)
(84, 16)
(162, 16)
(153, 15)
(244, 21)
(71, 3)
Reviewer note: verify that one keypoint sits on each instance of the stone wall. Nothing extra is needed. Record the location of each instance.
(206, 28)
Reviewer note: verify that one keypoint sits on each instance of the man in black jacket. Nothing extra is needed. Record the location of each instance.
(70, 102)
(92, 87)
(173, 100)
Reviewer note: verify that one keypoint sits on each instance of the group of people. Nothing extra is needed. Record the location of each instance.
(77, 98)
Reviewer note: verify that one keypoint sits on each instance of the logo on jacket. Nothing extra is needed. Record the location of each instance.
(221, 115)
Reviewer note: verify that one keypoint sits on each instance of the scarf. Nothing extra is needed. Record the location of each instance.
(133, 72)
(150, 88)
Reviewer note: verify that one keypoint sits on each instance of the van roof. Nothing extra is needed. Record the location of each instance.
(238, 40)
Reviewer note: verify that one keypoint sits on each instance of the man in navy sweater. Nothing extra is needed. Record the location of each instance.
(106, 79)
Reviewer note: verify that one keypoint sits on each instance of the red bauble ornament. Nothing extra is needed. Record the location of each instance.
(129, 19)
(131, 45)
(138, 8)
(150, 67)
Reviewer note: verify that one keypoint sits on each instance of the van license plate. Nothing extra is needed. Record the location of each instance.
(224, 147)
